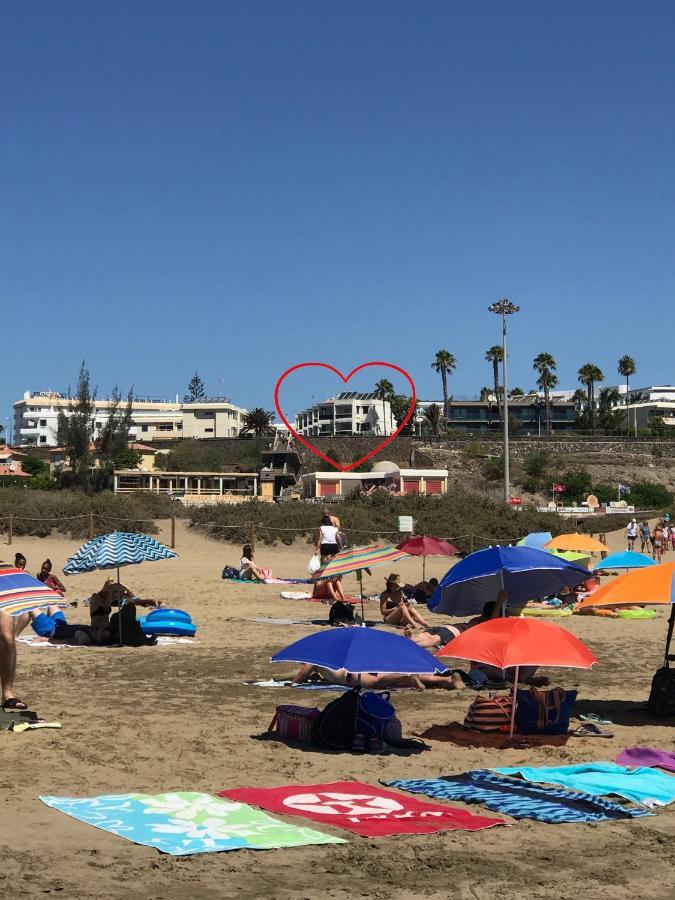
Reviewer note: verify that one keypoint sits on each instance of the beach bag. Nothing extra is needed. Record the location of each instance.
(544, 711)
(294, 723)
(661, 701)
(131, 634)
(340, 612)
(230, 572)
(314, 564)
(489, 714)
(355, 721)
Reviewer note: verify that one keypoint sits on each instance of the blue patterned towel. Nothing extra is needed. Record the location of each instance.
(520, 799)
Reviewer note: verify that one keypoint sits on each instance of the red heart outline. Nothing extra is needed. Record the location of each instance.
(345, 379)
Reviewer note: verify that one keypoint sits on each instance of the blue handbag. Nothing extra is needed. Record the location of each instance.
(544, 712)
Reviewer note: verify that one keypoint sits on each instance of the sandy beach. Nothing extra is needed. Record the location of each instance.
(179, 718)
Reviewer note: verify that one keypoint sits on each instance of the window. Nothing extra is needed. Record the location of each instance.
(168, 427)
(179, 426)
(144, 427)
(43, 423)
(43, 439)
(209, 430)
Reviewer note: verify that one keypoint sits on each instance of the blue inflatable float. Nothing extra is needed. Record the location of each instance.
(175, 622)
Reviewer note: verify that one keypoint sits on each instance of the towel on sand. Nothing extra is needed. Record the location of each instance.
(643, 785)
(519, 799)
(182, 822)
(647, 756)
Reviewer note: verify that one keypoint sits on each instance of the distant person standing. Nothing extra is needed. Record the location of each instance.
(657, 542)
(328, 539)
(667, 529)
(645, 536)
(631, 533)
(334, 519)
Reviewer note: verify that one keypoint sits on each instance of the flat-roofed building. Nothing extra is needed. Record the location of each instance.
(649, 405)
(216, 417)
(191, 488)
(350, 412)
(432, 482)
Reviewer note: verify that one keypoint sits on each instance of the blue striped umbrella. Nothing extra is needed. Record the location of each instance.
(114, 550)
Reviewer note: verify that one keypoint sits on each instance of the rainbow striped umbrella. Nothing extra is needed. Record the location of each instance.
(20, 592)
(359, 558)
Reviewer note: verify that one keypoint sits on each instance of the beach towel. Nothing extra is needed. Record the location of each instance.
(309, 686)
(32, 640)
(642, 785)
(184, 822)
(519, 799)
(647, 756)
(271, 620)
(295, 595)
(361, 808)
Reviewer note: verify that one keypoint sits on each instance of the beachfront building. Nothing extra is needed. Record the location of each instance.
(527, 414)
(432, 482)
(216, 417)
(191, 488)
(11, 471)
(36, 418)
(350, 412)
(648, 405)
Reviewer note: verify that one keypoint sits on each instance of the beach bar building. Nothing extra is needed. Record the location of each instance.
(431, 482)
(191, 488)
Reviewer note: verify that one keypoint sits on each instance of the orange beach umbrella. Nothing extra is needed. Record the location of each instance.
(507, 643)
(653, 586)
(581, 543)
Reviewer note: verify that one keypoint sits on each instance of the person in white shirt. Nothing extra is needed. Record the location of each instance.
(631, 533)
(328, 539)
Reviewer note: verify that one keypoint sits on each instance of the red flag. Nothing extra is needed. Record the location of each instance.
(361, 808)
(559, 488)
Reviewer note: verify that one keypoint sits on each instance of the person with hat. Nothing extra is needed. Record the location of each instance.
(395, 608)
(632, 533)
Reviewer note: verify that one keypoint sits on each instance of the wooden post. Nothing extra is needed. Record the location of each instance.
(10, 528)
(173, 532)
(251, 538)
(91, 524)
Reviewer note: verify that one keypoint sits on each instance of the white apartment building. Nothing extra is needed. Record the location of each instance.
(36, 418)
(647, 404)
(350, 412)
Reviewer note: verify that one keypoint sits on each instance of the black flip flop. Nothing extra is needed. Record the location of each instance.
(13, 704)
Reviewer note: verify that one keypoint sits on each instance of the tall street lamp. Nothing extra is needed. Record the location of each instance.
(505, 308)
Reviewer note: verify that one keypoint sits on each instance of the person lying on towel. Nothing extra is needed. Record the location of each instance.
(450, 680)
(51, 624)
(433, 638)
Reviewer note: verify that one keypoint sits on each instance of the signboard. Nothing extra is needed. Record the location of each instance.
(516, 501)
(619, 510)
(405, 524)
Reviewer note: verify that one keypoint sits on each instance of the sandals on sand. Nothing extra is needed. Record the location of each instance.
(591, 729)
(13, 704)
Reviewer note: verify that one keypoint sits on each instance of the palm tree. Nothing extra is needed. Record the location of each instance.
(486, 397)
(257, 422)
(545, 365)
(495, 355)
(432, 419)
(384, 390)
(590, 375)
(609, 416)
(445, 363)
(626, 367)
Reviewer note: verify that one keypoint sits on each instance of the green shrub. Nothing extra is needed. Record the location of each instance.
(644, 495)
(535, 464)
(534, 485)
(33, 465)
(493, 468)
(605, 493)
(578, 484)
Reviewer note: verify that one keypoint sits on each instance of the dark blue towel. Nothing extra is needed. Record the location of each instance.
(520, 799)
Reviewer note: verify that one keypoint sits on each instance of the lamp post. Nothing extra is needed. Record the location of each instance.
(505, 308)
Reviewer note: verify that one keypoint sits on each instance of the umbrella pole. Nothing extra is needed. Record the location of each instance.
(514, 704)
(363, 612)
(119, 607)
(424, 568)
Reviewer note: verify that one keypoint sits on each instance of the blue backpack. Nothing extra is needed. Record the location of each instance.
(544, 712)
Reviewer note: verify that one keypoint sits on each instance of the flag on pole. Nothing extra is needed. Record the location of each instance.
(558, 488)
(624, 489)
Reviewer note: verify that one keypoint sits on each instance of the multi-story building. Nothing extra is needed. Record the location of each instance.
(215, 417)
(527, 414)
(36, 418)
(645, 405)
(348, 413)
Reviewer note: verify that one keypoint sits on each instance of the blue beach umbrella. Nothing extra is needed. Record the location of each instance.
(360, 650)
(626, 559)
(115, 550)
(523, 572)
(535, 539)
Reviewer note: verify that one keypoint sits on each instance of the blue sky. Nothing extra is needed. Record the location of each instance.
(237, 187)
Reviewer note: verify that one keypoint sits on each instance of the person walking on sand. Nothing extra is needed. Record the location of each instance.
(631, 533)
(645, 536)
(395, 608)
(657, 542)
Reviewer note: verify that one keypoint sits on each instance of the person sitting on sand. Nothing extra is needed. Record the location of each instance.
(395, 609)
(111, 594)
(329, 590)
(46, 576)
(423, 590)
(248, 571)
(450, 681)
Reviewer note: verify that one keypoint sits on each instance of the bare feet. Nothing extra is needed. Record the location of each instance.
(407, 631)
(458, 681)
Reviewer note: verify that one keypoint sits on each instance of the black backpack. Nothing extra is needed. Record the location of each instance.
(340, 612)
(348, 724)
(661, 703)
(131, 634)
